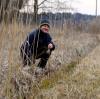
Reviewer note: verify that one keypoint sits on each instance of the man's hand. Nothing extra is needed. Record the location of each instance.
(50, 46)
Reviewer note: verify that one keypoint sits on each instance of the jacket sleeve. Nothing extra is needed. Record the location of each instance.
(53, 46)
(27, 45)
(49, 40)
(30, 38)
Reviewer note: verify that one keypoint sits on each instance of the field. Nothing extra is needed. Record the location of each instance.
(75, 64)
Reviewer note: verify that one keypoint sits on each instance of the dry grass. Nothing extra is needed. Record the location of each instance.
(70, 81)
(93, 26)
(11, 38)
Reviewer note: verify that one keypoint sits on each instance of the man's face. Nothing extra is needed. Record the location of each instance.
(45, 28)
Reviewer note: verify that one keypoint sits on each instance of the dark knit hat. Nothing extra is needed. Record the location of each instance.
(45, 22)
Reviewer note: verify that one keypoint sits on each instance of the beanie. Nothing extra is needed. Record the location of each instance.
(45, 22)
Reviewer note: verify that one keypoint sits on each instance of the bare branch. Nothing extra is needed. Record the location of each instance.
(42, 2)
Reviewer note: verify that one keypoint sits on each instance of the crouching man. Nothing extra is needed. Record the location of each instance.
(38, 44)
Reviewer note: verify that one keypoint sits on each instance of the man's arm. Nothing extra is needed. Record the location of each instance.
(30, 38)
(50, 43)
(28, 43)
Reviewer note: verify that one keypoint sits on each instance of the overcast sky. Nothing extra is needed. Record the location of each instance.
(81, 6)
(86, 6)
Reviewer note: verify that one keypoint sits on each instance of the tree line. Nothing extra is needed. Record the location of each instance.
(10, 9)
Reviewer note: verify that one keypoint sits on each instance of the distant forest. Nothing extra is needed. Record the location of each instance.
(76, 18)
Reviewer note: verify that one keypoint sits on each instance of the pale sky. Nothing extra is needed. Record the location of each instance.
(86, 6)
(81, 6)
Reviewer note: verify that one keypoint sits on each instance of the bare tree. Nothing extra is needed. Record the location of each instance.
(36, 8)
(8, 8)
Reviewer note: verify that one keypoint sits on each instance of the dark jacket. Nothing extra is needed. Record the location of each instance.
(36, 42)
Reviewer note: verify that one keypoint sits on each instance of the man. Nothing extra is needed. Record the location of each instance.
(38, 44)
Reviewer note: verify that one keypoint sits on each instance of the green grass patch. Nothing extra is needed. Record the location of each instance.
(61, 74)
(69, 68)
(51, 81)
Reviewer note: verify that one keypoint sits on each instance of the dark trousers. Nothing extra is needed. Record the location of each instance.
(43, 58)
(29, 58)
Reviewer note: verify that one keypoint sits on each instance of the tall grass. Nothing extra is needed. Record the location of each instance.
(11, 37)
(93, 26)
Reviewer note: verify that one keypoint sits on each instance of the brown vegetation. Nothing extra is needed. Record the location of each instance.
(75, 74)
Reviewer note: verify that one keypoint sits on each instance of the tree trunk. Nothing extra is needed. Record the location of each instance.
(35, 10)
